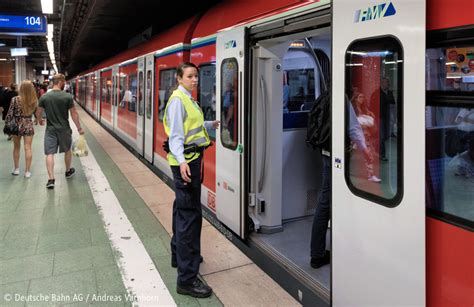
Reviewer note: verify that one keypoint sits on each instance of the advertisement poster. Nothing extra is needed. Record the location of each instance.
(460, 62)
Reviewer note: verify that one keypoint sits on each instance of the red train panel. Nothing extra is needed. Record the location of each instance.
(449, 265)
(449, 14)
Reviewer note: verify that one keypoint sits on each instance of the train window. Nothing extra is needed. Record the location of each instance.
(229, 103)
(106, 87)
(141, 90)
(450, 161)
(302, 82)
(109, 90)
(132, 91)
(148, 94)
(122, 91)
(168, 83)
(207, 93)
(373, 89)
(450, 69)
(298, 79)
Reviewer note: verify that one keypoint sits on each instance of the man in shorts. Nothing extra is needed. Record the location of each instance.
(57, 104)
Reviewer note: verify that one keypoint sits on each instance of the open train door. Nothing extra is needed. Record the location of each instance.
(378, 94)
(230, 110)
(141, 105)
(97, 94)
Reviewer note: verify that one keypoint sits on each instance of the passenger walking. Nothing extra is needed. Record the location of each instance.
(58, 135)
(21, 110)
(185, 126)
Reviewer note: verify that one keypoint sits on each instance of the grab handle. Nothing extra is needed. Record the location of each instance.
(264, 151)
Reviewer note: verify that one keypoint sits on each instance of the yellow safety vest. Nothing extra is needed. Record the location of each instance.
(194, 131)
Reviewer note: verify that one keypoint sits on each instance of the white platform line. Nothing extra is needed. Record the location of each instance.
(139, 273)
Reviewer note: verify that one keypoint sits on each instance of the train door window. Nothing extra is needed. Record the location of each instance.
(148, 94)
(93, 89)
(450, 161)
(229, 103)
(373, 121)
(122, 90)
(167, 83)
(108, 85)
(207, 93)
(132, 89)
(141, 90)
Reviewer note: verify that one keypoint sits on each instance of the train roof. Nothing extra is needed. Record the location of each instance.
(221, 16)
(177, 34)
(231, 13)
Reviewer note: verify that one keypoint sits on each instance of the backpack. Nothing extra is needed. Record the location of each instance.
(319, 123)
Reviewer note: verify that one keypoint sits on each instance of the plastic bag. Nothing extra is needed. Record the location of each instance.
(366, 120)
(80, 147)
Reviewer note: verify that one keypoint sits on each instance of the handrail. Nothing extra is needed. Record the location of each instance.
(264, 152)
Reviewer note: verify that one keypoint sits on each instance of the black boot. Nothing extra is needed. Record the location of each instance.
(317, 262)
(196, 289)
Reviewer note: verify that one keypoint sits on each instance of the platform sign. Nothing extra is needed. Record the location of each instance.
(23, 25)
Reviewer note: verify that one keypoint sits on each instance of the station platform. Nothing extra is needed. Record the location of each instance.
(102, 237)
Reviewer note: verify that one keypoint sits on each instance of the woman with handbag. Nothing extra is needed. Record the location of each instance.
(19, 120)
(6, 99)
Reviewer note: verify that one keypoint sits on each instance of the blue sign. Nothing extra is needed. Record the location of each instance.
(23, 25)
(375, 12)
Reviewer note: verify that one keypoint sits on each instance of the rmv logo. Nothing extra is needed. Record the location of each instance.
(230, 44)
(374, 12)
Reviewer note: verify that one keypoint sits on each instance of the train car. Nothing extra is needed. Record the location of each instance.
(402, 218)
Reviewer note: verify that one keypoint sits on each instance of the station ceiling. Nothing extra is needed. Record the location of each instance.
(89, 31)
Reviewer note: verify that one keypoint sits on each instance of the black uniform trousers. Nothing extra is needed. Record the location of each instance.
(187, 222)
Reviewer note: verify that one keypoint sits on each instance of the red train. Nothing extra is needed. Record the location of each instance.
(407, 240)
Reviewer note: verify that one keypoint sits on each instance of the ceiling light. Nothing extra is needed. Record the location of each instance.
(47, 6)
(49, 35)
(2, 44)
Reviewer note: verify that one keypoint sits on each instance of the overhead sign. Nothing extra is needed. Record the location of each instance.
(19, 51)
(23, 25)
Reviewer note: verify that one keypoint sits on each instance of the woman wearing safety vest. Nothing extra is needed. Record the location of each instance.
(186, 129)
